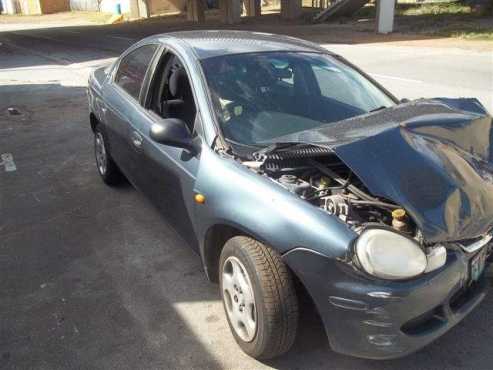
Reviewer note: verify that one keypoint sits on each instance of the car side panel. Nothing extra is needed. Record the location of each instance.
(120, 110)
(96, 82)
(238, 197)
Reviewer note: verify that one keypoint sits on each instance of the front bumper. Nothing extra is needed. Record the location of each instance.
(379, 319)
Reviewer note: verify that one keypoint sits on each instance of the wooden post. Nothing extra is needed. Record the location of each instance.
(230, 11)
(253, 8)
(144, 8)
(291, 9)
(134, 9)
(195, 10)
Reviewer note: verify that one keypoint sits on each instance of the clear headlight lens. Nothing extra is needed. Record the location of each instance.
(388, 255)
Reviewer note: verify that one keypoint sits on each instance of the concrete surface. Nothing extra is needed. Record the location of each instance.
(92, 277)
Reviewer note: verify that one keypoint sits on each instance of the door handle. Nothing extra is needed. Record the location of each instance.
(136, 139)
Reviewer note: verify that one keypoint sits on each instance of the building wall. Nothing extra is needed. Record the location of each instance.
(36, 7)
(52, 6)
(164, 6)
(109, 6)
(10, 6)
(28, 7)
(89, 5)
(156, 6)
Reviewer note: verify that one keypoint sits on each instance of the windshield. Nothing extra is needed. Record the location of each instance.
(258, 97)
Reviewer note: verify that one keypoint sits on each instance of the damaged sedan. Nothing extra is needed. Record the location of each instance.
(290, 171)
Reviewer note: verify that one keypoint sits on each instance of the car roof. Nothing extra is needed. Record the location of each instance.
(212, 43)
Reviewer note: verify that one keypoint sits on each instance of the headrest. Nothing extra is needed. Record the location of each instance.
(265, 76)
(178, 83)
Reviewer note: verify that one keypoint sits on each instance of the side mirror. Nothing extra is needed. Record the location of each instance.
(172, 132)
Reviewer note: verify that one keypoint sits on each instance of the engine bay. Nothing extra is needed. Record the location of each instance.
(319, 177)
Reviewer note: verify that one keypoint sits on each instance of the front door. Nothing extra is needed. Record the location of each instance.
(165, 173)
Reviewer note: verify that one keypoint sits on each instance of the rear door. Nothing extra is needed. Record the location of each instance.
(123, 102)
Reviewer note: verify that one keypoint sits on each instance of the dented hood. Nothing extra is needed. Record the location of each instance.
(432, 157)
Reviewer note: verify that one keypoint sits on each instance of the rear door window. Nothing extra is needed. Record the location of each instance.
(132, 69)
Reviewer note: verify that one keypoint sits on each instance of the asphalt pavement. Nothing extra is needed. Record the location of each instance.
(93, 277)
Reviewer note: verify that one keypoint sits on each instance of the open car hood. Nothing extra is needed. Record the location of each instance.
(432, 157)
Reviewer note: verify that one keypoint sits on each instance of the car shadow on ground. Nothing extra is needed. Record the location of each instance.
(91, 276)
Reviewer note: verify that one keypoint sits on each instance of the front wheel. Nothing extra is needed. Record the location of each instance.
(259, 298)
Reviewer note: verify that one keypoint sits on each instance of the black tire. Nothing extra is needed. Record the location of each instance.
(274, 293)
(110, 174)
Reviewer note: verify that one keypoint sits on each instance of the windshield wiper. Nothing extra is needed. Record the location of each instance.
(262, 153)
(379, 108)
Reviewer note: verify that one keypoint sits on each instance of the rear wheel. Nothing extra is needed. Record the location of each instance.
(259, 298)
(107, 168)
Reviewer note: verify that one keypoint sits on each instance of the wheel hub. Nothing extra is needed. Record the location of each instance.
(239, 299)
(100, 150)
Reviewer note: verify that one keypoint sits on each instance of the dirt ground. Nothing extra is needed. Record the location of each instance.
(78, 18)
(412, 31)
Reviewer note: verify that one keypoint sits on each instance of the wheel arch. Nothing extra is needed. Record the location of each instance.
(94, 121)
(215, 238)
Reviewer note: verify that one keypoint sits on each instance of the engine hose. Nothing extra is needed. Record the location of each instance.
(371, 203)
(341, 181)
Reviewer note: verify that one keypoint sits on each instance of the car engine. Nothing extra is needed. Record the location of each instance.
(317, 175)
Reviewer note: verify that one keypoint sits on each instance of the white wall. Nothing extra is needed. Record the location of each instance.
(84, 5)
(110, 5)
(8, 6)
(106, 5)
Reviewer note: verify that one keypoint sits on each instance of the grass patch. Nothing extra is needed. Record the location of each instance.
(415, 9)
(444, 19)
(468, 32)
(453, 8)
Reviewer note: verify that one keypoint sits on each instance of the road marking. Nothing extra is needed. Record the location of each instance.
(122, 38)
(8, 162)
(396, 78)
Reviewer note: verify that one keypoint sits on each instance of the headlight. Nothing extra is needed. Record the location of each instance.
(388, 255)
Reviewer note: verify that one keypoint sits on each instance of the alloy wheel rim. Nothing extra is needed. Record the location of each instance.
(101, 158)
(239, 299)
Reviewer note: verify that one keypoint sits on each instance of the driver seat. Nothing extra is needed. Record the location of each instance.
(182, 104)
